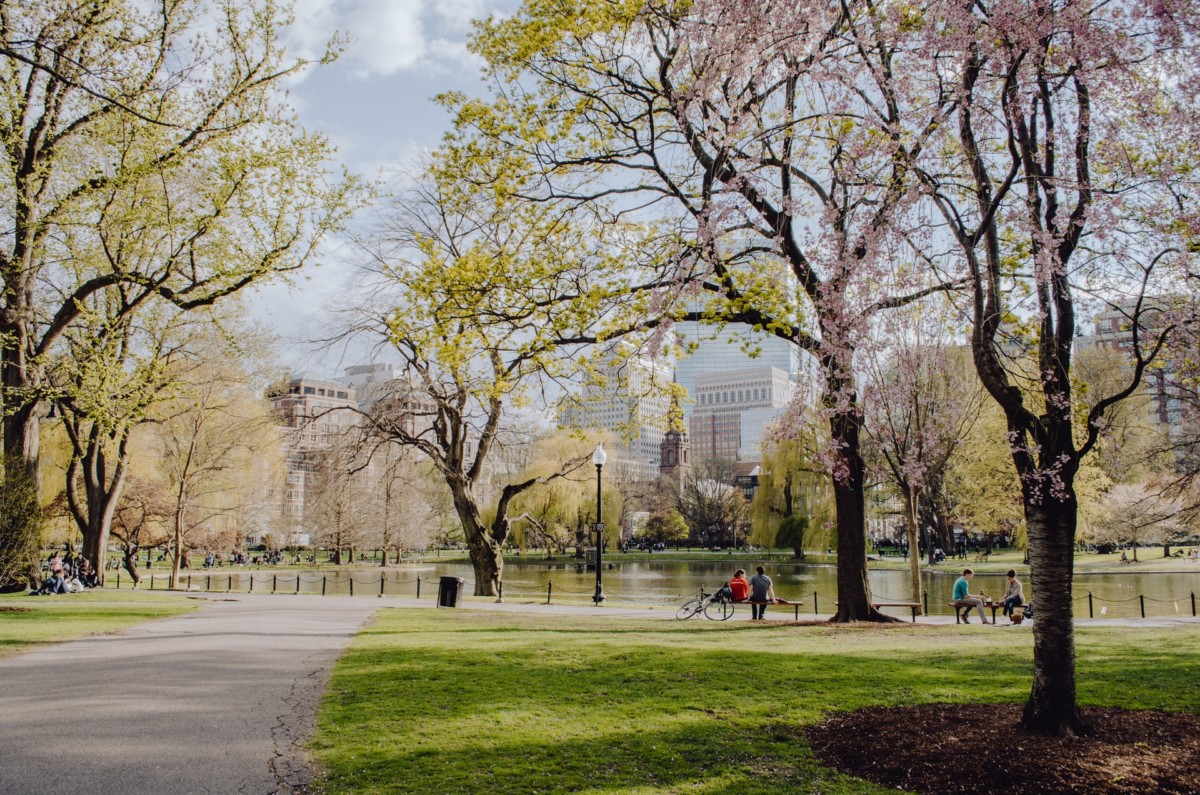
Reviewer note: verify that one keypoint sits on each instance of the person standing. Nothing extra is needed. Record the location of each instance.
(963, 597)
(761, 592)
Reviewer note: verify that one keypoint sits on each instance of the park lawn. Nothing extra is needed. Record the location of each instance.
(29, 622)
(460, 701)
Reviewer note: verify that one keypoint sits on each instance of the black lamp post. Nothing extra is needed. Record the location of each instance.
(598, 458)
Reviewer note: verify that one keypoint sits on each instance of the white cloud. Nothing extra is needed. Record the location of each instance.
(384, 39)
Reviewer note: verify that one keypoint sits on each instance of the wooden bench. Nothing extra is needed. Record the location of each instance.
(776, 603)
(959, 610)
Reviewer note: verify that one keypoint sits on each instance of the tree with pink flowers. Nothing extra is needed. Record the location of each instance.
(1064, 181)
(772, 141)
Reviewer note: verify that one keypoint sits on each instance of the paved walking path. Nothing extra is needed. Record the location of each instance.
(219, 701)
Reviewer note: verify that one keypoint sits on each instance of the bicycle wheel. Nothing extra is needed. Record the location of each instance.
(689, 609)
(718, 611)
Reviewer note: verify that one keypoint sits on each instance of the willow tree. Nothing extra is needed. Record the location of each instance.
(147, 153)
(772, 135)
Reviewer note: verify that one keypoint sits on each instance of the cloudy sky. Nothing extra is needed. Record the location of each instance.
(375, 104)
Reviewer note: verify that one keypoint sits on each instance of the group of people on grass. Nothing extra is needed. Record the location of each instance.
(1014, 596)
(67, 574)
(759, 591)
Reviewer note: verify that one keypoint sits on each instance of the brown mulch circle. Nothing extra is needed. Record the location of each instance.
(14, 609)
(972, 748)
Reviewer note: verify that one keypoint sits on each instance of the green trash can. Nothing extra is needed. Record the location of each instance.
(449, 589)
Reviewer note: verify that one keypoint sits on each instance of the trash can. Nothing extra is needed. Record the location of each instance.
(448, 590)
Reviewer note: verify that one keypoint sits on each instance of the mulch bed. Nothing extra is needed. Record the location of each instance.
(961, 748)
(13, 609)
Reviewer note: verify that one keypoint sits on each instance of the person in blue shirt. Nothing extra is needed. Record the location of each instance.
(963, 598)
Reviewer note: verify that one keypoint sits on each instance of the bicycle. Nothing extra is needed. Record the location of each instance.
(715, 606)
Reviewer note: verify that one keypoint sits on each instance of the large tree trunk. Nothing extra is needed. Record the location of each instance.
(488, 562)
(1051, 708)
(486, 552)
(854, 590)
(914, 541)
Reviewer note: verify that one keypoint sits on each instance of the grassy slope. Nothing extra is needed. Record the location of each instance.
(441, 702)
(27, 622)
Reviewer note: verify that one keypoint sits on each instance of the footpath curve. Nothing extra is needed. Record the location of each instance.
(219, 701)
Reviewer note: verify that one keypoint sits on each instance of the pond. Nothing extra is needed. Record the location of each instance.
(669, 582)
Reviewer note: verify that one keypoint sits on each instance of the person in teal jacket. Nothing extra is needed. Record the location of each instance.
(964, 598)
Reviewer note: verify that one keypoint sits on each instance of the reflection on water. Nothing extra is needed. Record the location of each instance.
(670, 582)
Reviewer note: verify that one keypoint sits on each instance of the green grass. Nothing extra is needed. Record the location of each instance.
(29, 622)
(462, 701)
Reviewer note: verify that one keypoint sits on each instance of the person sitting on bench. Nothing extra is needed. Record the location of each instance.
(1015, 595)
(762, 593)
(739, 586)
(963, 598)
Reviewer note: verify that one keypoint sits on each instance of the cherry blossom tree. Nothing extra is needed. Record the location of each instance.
(1064, 180)
(921, 403)
(769, 138)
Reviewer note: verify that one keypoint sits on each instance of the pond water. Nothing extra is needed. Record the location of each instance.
(671, 582)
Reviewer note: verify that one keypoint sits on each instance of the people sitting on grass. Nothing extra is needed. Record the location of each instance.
(54, 584)
(1014, 595)
(963, 597)
(87, 575)
(739, 586)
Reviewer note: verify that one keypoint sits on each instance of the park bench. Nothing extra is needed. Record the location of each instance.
(776, 603)
(1018, 611)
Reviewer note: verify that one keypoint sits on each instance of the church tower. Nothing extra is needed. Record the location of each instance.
(674, 453)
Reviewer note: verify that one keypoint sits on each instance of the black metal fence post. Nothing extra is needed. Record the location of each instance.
(381, 582)
(925, 599)
(815, 610)
(550, 592)
(419, 579)
(324, 577)
(1091, 613)
(1142, 599)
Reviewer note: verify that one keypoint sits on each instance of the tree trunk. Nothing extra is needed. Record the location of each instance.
(854, 591)
(1051, 708)
(488, 561)
(914, 557)
(177, 556)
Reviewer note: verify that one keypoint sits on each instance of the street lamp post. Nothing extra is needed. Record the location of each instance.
(598, 458)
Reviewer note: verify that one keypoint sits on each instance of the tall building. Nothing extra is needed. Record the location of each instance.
(710, 350)
(314, 412)
(627, 397)
(732, 409)
(1113, 331)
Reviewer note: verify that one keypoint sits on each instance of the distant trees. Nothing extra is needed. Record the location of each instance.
(713, 507)
(1138, 514)
(793, 504)
(149, 160)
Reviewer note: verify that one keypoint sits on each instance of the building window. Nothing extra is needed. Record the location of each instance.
(308, 390)
(343, 395)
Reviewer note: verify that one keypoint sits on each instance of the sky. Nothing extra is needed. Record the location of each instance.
(375, 104)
